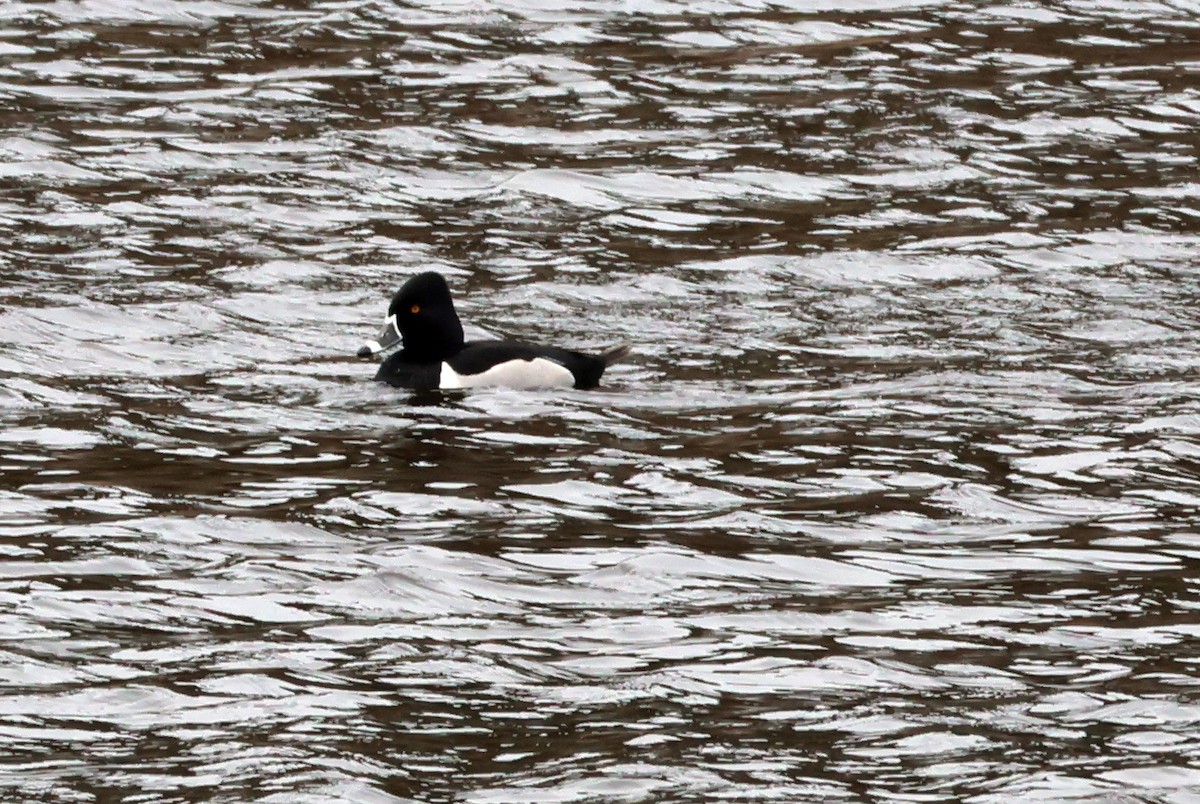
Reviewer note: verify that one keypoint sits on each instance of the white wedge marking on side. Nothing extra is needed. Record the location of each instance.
(521, 374)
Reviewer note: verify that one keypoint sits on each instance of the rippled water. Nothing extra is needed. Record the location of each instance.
(898, 500)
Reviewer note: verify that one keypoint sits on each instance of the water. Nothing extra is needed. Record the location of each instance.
(897, 501)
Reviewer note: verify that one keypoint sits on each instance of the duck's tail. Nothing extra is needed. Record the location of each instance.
(610, 356)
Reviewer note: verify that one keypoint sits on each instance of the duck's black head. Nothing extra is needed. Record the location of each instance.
(422, 316)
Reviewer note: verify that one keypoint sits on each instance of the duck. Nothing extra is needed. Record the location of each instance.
(433, 354)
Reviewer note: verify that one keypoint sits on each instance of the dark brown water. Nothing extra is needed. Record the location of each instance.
(898, 501)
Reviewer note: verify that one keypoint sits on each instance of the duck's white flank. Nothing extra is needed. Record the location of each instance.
(521, 374)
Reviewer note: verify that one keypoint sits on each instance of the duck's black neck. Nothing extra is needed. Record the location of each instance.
(436, 343)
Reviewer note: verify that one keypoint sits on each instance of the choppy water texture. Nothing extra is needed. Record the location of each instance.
(898, 500)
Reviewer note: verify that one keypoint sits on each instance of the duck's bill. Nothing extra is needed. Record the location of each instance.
(389, 338)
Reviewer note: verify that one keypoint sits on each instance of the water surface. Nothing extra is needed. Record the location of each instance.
(897, 500)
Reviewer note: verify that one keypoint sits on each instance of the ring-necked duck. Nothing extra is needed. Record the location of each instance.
(422, 319)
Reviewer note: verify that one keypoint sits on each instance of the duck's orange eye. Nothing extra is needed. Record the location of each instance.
(416, 308)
